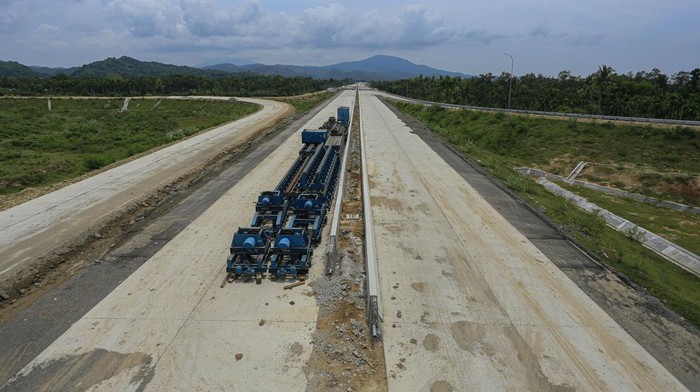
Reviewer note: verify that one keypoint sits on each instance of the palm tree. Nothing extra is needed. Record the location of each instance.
(603, 80)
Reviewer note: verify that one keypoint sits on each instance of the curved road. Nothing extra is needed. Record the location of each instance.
(170, 327)
(469, 303)
(32, 229)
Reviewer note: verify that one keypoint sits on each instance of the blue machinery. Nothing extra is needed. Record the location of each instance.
(288, 221)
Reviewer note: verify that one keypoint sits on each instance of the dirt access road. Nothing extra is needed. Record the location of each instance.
(29, 231)
(169, 326)
(469, 303)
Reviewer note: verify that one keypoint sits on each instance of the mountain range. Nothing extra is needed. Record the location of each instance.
(378, 67)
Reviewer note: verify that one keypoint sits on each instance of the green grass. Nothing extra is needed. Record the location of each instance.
(501, 142)
(559, 144)
(305, 103)
(40, 147)
(679, 227)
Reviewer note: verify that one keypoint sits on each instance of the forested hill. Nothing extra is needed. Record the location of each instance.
(16, 70)
(642, 94)
(374, 68)
(115, 85)
(128, 67)
(377, 67)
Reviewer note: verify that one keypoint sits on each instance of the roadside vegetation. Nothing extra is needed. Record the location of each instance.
(241, 85)
(39, 147)
(682, 228)
(305, 102)
(500, 142)
(556, 146)
(642, 94)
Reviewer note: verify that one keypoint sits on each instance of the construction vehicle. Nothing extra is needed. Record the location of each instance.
(288, 220)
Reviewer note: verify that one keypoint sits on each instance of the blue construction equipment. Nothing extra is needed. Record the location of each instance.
(247, 253)
(288, 220)
(344, 116)
(324, 170)
(309, 213)
(308, 171)
(314, 136)
(290, 253)
(271, 207)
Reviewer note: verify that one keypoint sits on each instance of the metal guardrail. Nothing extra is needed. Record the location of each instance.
(554, 114)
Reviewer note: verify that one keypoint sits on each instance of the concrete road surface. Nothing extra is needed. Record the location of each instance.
(470, 304)
(32, 229)
(170, 327)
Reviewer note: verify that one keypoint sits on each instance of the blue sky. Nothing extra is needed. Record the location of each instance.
(466, 36)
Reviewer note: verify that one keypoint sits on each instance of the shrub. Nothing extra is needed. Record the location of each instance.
(516, 182)
(95, 162)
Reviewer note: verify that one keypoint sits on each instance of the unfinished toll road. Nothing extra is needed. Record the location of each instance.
(469, 303)
(169, 326)
(30, 231)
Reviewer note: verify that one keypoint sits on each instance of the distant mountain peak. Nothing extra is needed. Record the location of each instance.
(225, 60)
(377, 67)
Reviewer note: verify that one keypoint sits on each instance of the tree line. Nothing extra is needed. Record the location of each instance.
(642, 94)
(238, 85)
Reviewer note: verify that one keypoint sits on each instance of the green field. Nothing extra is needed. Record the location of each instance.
(306, 102)
(556, 146)
(679, 227)
(501, 142)
(39, 147)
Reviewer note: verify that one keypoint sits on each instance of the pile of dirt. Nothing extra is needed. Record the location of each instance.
(344, 357)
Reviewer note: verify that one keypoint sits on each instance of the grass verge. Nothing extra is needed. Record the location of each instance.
(557, 145)
(39, 147)
(497, 148)
(306, 102)
(679, 227)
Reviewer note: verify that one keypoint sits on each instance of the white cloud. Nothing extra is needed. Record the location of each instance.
(468, 34)
(334, 26)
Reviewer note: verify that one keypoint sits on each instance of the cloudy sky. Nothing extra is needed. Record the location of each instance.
(466, 36)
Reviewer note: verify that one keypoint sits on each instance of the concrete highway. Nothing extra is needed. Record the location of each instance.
(32, 229)
(469, 303)
(169, 326)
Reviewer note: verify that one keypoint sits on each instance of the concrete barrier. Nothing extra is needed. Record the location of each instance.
(332, 253)
(374, 315)
(611, 191)
(678, 255)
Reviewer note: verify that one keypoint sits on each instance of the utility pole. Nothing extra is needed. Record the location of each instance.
(510, 83)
